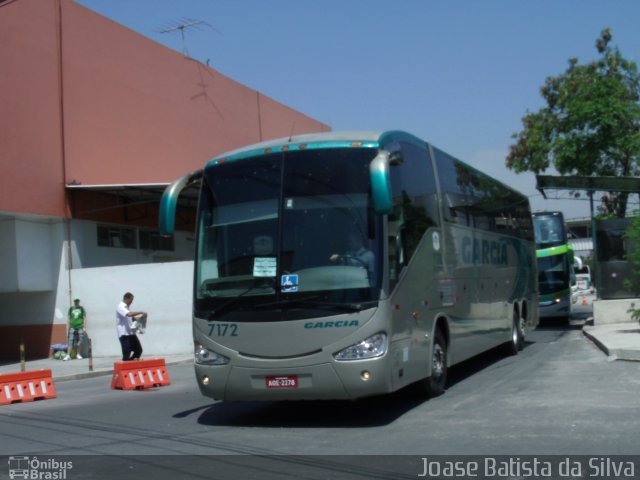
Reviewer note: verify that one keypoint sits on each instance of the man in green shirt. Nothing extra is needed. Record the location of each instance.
(77, 328)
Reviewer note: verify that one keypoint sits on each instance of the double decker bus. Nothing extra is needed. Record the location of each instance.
(555, 264)
(346, 265)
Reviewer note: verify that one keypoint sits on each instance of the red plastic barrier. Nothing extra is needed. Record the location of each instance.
(26, 386)
(139, 374)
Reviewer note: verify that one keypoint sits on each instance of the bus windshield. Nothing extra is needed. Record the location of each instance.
(286, 234)
(549, 230)
(553, 274)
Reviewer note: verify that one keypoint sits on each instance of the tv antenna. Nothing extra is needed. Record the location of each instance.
(183, 24)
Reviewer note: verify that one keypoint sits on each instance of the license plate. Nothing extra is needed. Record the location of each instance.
(289, 381)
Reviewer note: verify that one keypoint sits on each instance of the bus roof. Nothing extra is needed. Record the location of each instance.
(549, 213)
(365, 139)
(361, 139)
(313, 140)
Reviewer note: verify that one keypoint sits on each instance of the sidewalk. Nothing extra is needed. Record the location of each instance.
(620, 341)
(77, 369)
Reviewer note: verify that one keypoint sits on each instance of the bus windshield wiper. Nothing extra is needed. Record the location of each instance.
(311, 302)
(233, 300)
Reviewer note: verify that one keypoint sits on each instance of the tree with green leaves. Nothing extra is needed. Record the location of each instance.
(591, 124)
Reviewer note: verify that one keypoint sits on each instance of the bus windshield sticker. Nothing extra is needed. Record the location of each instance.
(446, 289)
(264, 267)
(289, 283)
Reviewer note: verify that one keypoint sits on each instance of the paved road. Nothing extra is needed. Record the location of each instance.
(582, 307)
(561, 395)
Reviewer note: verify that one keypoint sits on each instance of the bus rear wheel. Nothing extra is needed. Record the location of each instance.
(516, 342)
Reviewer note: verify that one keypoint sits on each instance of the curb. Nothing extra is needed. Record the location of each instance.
(597, 342)
(627, 354)
(80, 376)
(104, 373)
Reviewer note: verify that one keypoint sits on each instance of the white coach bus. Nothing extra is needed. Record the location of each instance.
(345, 265)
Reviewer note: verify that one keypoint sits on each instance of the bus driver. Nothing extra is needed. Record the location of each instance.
(357, 254)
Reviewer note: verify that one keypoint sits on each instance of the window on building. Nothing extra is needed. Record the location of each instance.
(152, 240)
(118, 237)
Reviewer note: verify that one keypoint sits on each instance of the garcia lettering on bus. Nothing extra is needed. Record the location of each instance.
(336, 324)
(483, 252)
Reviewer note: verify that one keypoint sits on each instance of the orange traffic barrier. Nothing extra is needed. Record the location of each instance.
(26, 386)
(139, 374)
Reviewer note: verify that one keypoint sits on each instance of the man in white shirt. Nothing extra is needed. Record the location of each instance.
(131, 347)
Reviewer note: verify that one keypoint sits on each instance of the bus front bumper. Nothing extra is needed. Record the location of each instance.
(322, 381)
(552, 308)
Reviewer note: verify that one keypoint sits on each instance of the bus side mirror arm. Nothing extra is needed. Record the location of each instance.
(381, 183)
(169, 201)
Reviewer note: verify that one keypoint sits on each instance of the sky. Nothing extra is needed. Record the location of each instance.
(460, 74)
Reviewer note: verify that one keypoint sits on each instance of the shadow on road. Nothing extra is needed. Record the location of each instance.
(560, 324)
(468, 368)
(368, 412)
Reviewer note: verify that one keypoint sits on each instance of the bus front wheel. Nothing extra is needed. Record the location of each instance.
(433, 385)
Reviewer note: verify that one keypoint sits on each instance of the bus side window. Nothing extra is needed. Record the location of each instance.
(415, 207)
(394, 247)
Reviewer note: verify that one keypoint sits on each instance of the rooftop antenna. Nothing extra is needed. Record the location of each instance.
(293, 127)
(182, 24)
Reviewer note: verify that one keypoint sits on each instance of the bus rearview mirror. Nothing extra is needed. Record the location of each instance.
(381, 183)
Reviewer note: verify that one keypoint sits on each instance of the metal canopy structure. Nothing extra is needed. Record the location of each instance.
(590, 184)
(134, 194)
(136, 204)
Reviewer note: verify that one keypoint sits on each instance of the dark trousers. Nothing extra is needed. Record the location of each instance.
(131, 348)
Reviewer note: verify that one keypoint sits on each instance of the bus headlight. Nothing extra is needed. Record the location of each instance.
(374, 346)
(204, 356)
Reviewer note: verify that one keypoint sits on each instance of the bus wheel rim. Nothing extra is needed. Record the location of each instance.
(438, 360)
